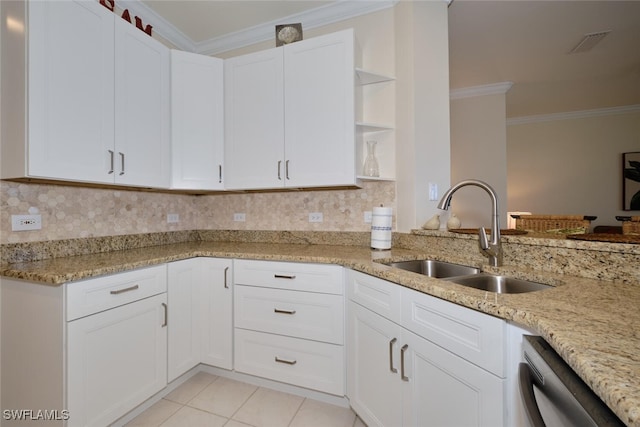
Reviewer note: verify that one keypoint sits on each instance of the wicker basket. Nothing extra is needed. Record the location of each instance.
(631, 226)
(572, 224)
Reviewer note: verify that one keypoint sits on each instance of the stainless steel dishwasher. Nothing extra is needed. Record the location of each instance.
(554, 395)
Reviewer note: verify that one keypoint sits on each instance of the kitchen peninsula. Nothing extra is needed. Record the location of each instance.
(589, 316)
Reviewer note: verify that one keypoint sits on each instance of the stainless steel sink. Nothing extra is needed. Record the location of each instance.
(433, 268)
(498, 284)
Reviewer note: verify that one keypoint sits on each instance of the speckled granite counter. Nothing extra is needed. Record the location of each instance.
(591, 323)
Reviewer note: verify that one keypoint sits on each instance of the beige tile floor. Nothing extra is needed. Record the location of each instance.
(208, 400)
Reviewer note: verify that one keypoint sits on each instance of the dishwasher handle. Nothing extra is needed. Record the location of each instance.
(528, 397)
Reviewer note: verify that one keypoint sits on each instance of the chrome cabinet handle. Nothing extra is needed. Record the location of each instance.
(226, 285)
(219, 173)
(286, 169)
(285, 361)
(166, 314)
(283, 276)
(121, 291)
(121, 162)
(279, 164)
(391, 344)
(111, 155)
(402, 350)
(280, 311)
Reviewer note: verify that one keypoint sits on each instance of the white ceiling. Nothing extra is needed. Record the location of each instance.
(527, 43)
(524, 42)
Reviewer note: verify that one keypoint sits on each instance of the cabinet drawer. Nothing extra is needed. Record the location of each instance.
(379, 296)
(304, 363)
(93, 295)
(308, 315)
(289, 275)
(476, 337)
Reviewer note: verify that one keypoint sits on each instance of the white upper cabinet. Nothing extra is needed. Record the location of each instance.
(65, 115)
(197, 121)
(68, 128)
(254, 120)
(290, 115)
(319, 111)
(142, 144)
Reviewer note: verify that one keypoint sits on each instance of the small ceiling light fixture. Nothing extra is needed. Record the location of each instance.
(589, 41)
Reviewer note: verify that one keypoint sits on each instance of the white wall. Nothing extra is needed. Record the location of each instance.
(571, 166)
(479, 151)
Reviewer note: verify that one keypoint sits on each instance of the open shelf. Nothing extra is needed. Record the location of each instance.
(372, 127)
(366, 77)
(375, 178)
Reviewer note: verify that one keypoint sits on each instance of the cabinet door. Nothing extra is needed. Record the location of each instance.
(197, 121)
(70, 79)
(441, 389)
(217, 306)
(142, 147)
(319, 111)
(373, 381)
(254, 121)
(184, 328)
(116, 359)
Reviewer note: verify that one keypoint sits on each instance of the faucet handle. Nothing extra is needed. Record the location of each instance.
(484, 242)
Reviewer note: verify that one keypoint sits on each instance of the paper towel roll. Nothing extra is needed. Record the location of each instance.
(381, 222)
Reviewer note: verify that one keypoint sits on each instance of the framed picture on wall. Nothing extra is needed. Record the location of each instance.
(631, 181)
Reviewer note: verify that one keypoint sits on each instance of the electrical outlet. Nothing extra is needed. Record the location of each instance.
(239, 217)
(368, 215)
(315, 217)
(173, 218)
(26, 222)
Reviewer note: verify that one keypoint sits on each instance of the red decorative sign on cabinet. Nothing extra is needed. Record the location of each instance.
(111, 5)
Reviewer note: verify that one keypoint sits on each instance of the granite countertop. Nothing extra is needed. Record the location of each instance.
(592, 324)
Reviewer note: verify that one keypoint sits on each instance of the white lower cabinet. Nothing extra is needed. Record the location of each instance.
(289, 323)
(200, 307)
(116, 360)
(184, 330)
(88, 351)
(396, 377)
(117, 354)
(217, 305)
(373, 385)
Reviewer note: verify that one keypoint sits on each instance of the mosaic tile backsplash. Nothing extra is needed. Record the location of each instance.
(77, 212)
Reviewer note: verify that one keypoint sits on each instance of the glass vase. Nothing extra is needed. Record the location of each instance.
(371, 167)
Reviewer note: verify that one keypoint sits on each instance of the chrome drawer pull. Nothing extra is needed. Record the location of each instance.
(286, 169)
(219, 174)
(391, 343)
(279, 164)
(285, 361)
(121, 291)
(283, 276)
(402, 350)
(226, 285)
(277, 310)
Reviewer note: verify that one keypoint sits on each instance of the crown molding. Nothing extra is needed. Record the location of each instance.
(490, 89)
(161, 26)
(328, 14)
(571, 115)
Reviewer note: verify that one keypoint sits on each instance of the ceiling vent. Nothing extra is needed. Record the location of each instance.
(589, 41)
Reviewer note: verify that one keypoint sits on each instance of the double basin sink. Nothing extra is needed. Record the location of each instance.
(469, 276)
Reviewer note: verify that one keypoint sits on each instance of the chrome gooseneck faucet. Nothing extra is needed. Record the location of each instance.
(494, 248)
